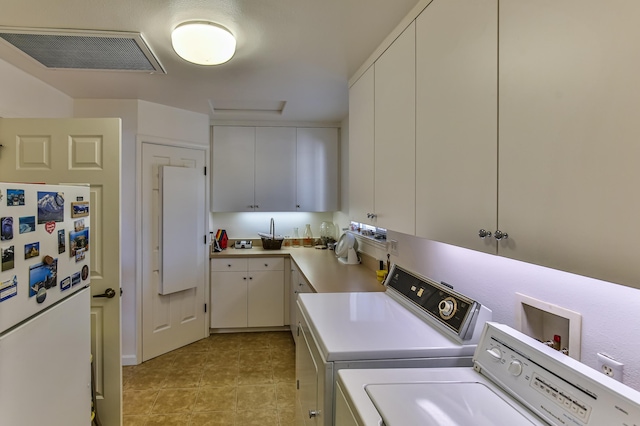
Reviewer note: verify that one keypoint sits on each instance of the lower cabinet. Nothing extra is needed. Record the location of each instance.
(299, 284)
(247, 292)
(310, 395)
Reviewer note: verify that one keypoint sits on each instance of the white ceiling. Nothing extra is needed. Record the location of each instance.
(301, 52)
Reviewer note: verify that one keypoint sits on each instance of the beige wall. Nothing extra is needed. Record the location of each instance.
(23, 96)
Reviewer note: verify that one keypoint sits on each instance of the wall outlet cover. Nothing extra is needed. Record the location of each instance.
(610, 367)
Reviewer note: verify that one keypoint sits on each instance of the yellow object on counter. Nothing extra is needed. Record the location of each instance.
(382, 274)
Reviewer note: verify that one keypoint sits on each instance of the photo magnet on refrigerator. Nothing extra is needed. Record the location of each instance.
(8, 258)
(50, 207)
(8, 288)
(6, 230)
(15, 197)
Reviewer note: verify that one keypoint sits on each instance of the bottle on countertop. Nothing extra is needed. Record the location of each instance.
(307, 240)
(296, 238)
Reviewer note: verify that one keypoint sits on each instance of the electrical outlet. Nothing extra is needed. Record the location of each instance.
(393, 247)
(609, 366)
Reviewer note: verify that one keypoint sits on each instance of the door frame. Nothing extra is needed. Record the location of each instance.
(156, 140)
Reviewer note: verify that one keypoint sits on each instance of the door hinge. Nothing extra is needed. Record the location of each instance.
(205, 170)
(205, 308)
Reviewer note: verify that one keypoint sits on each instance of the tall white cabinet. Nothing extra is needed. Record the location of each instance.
(456, 133)
(382, 139)
(395, 132)
(233, 155)
(569, 135)
(361, 147)
(317, 169)
(275, 165)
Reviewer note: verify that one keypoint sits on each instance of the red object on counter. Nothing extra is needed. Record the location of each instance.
(221, 238)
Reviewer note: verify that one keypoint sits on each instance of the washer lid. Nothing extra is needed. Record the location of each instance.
(373, 326)
(446, 404)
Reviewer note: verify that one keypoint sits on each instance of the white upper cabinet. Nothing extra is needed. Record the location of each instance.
(569, 135)
(317, 169)
(274, 169)
(395, 131)
(456, 129)
(275, 182)
(232, 174)
(361, 142)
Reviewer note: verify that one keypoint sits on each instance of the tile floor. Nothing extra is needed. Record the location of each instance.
(238, 379)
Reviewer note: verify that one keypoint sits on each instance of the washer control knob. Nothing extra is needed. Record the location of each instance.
(447, 308)
(495, 353)
(515, 368)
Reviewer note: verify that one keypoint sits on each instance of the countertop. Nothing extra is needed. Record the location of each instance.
(320, 267)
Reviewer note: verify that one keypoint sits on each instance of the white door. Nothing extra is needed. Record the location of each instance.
(173, 320)
(83, 150)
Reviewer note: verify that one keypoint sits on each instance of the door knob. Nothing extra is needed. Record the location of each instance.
(312, 414)
(484, 234)
(108, 293)
(499, 235)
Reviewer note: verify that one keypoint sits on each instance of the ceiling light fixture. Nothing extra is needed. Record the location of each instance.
(203, 42)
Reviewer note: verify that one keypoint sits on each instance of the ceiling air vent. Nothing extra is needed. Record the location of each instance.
(84, 50)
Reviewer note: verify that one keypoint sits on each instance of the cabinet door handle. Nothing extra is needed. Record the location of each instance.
(257, 206)
(266, 265)
(250, 278)
(244, 278)
(484, 234)
(499, 235)
(229, 265)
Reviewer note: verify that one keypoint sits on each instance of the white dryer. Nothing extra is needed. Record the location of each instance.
(515, 380)
(416, 322)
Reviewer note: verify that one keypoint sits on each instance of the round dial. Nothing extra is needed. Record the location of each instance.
(495, 353)
(448, 308)
(515, 368)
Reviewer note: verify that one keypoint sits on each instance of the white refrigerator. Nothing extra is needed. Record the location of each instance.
(45, 335)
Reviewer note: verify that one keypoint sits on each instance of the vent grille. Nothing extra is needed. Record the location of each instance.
(86, 50)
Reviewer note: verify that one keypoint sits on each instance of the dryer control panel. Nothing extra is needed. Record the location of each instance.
(556, 387)
(444, 305)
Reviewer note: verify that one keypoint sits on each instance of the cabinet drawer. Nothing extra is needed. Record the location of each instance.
(235, 265)
(266, 264)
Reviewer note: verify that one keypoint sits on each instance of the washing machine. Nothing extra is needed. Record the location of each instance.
(415, 322)
(514, 380)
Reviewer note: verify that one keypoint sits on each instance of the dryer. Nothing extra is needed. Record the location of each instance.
(515, 380)
(416, 322)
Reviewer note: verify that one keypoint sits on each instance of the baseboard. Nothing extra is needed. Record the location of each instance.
(129, 360)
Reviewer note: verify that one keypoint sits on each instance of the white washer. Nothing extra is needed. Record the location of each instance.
(416, 322)
(515, 380)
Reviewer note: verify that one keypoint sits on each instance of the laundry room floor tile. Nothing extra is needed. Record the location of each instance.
(232, 379)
